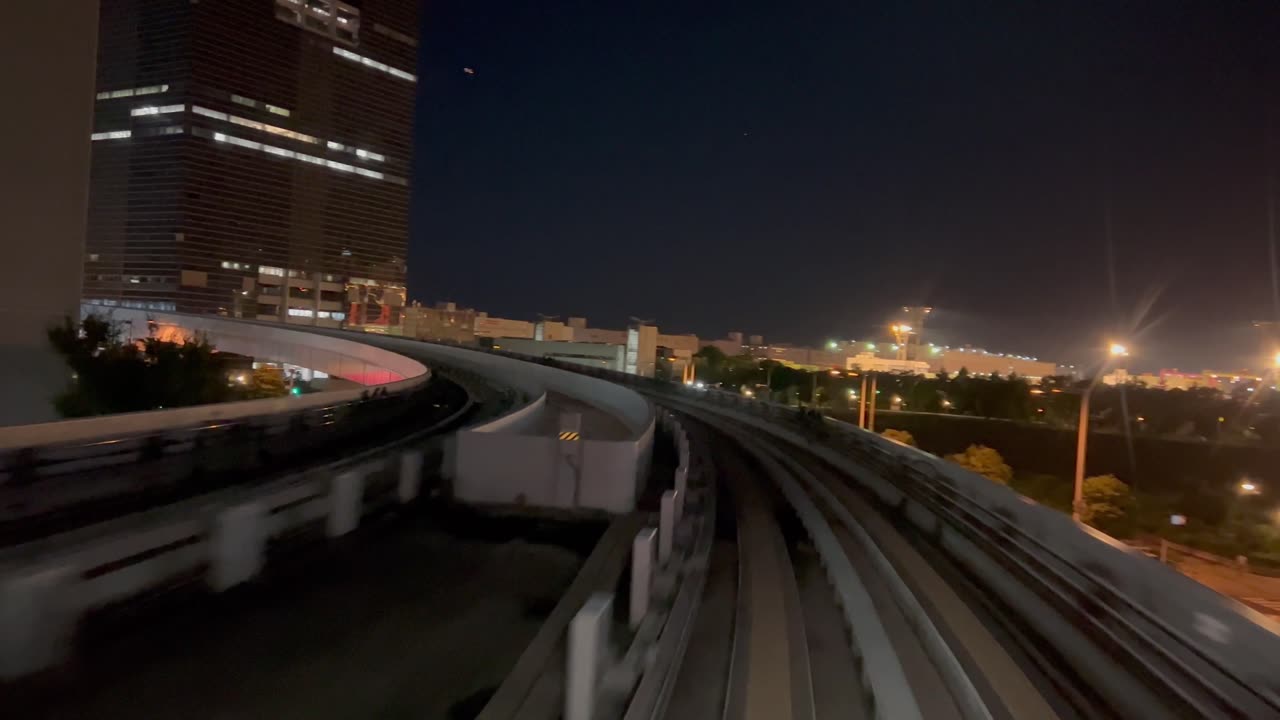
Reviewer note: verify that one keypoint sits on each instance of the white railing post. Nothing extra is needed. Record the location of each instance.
(410, 475)
(666, 526)
(37, 619)
(237, 545)
(642, 561)
(586, 656)
(346, 496)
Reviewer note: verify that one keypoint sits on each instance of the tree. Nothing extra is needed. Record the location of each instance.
(267, 382)
(111, 375)
(1106, 502)
(984, 461)
(901, 436)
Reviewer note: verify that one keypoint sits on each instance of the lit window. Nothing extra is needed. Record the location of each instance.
(369, 155)
(269, 270)
(208, 113)
(303, 157)
(301, 312)
(112, 135)
(156, 110)
(331, 18)
(132, 92)
(370, 62)
(335, 146)
(338, 316)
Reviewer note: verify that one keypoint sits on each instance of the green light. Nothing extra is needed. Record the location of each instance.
(871, 346)
(295, 390)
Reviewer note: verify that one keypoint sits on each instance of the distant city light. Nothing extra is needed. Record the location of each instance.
(1119, 350)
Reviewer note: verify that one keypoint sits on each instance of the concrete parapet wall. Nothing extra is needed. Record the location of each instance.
(337, 356)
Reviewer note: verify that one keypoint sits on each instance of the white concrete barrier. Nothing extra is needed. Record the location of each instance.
(410, 475)
(587, 657)
(345, 497)
(237, 545)
(666, 526)
(642, 567)
(36, 618)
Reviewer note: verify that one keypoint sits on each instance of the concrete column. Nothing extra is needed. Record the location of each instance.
(666, 526)
(346, 497)
(587, 656)
(682, 479)
(37, 618)
(642, 562)
(410, 475)
(237, 545)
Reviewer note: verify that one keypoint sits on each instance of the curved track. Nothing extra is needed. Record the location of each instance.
(795, 651)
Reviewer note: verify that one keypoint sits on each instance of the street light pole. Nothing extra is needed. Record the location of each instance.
(1082, 441)
(871, 411)
(862, 402)
(1082, 432)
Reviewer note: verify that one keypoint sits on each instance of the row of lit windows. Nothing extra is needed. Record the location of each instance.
(302, 157)
(132, 92)
(358, 152)
(250, 102)
(332, 18)
(370, 62)
(156, 110)
(138, 304)
(229, 265)
(122, 134)
(264, 127)
(291, 134)
(322, 314)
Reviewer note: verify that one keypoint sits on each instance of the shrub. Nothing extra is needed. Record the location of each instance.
(984, 461)
(901, 436)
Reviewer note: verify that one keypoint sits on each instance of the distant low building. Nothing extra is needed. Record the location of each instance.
(872, 363)
(980, 362)
(492, 327)
(445, 322)
(597, 355)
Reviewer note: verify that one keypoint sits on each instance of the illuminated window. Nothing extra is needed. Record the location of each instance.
(300, 156)
(156, 110)
(132, 92)
(331, 18)
(301, 312)
(112, 135)
(269, 270)
(370, 62)
(250, 102)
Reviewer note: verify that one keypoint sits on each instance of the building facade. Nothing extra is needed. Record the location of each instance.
(251, 158)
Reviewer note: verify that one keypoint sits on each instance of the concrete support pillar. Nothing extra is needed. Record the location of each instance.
(682, 479)
(237, 545)
(346, 497)
(587, 656)
(37, 618)
(666, 526)
(410, 475)
(642, 565)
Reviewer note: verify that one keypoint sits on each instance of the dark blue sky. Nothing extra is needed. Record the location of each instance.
(801, 169)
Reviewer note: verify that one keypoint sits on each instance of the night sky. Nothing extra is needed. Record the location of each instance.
(801, 169)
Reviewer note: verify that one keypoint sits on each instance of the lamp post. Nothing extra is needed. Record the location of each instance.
(1082, 431)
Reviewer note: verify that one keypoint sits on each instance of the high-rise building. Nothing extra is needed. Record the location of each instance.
(251, 158)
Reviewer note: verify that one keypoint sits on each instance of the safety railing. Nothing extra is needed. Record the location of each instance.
(221, 539)
(59, 486)
(1210, 661)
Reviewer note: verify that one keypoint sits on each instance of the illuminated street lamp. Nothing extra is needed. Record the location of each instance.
(1248, 487)
(1082, 430)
